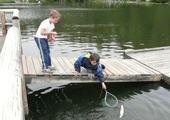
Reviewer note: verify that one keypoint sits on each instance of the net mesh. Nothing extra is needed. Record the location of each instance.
(109, 100)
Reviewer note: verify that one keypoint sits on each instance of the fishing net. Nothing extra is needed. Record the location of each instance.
(109, 100)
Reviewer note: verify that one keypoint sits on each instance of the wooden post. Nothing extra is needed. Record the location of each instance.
(11, 73)
(16, 23)
(3, 21)
(12, 88)
(15, 14)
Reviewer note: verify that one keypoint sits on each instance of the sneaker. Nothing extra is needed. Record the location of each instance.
(102, 66)
(47, 71)
(52, 68)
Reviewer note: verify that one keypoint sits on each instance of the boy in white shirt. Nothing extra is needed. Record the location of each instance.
(46, 28)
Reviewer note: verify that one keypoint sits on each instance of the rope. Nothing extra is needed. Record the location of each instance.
(106, 98)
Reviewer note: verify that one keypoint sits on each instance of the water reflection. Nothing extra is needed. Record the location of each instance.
(95, 27)
(73, 44)
(83, 101)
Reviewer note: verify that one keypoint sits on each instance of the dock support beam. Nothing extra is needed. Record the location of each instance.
(3, 21)
(13, 102)
(15, 15)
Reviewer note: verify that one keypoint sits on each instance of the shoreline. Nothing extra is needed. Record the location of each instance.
(19, 3)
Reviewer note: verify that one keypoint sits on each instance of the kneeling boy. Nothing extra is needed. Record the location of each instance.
(90, 60)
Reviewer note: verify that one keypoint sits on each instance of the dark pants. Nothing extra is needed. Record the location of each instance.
(43, 46)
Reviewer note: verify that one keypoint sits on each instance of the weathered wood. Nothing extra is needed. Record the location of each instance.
(30, 66)
(111, 68)
(68, 63)
(8, 24)
(118, 67)
(129, 69)
(15, 16)
(3, 21)
(15, 12)
(155, 58)
(25, 70)
(13, 99)
(37, 66)
(64, 66)
(117, 70)
(58, 66)
(11, 102)
(147, 67)
(139, 68)
(106, 69)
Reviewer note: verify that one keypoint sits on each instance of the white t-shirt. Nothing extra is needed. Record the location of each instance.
(45, 25)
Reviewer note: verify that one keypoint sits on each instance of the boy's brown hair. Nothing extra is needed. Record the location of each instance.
(94, 56)
(54, 14)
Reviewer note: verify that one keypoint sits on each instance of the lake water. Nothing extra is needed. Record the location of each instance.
(107, 29)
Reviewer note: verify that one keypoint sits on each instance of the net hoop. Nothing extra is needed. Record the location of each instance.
(111, 95)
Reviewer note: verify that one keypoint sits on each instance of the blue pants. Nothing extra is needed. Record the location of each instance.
(43, 46)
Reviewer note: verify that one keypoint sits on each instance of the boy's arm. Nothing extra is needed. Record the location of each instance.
(44, 32)
(78, 63)
(100, 76)
(77, 66)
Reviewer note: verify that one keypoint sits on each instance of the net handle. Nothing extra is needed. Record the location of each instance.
(111, 95)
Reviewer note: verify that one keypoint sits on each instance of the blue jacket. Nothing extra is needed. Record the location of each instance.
(84, 61)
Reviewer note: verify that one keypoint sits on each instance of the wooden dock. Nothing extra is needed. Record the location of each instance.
(117, 70)
(156, 58)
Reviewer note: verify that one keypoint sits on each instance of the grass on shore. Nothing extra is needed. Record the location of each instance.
(6, 1)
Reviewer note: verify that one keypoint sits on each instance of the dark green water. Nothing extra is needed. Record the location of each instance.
(141, 101)
(107, 29)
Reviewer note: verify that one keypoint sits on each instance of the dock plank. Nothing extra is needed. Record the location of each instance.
(132, 68)
(68, 63)
(119, 66)
(138, 67)
(155, 58)
(64, 66)
(106, 71)
(58, 66)
(37, 65)
(30, 65)
(111, 68)
(125, 66)
(24, 65)
(147, 67)
(117, 70)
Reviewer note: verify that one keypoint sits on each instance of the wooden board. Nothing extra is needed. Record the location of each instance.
(156, 59)
(116, 70)
(25, 70)
(37, 66)
(30, 66)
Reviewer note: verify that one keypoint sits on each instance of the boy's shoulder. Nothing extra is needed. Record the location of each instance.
(45, 20)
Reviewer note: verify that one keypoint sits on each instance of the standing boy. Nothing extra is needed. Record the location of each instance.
(46, 28)
(90, 61)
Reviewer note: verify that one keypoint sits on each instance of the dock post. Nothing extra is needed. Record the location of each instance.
(16, 23)
(3, 21)
(13, 94)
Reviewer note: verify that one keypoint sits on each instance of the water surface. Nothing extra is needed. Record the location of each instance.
(108, 29)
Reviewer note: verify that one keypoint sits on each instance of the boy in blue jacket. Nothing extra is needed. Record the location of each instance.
(90, 60)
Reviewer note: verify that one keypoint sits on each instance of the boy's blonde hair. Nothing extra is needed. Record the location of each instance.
(55, 14)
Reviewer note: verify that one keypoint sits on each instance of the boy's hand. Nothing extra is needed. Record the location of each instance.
(103, 85)
(54, 33)
(75, 72)
(51, 39)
